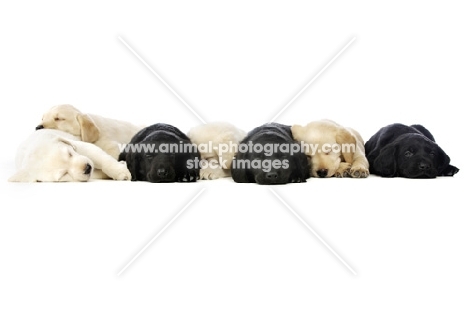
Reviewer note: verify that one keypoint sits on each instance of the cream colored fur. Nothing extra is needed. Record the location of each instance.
(217, 133)
(341, 163)
(103, 132)
(53, 155)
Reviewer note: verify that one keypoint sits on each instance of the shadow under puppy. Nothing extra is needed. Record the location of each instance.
(398, 150)
(162, 153)
(269, 155)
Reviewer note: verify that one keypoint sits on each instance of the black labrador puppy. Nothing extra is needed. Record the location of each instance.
(161, 153)
(269, 155)
(399, 150)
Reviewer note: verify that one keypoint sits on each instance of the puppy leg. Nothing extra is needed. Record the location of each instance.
(110, 147)
(360, 168)
(450, 171)
(359, 164)
(343, 170)
(103, 161)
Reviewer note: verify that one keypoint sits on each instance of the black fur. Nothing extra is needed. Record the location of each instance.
(399, 150)
(293, 168)
(161, 166)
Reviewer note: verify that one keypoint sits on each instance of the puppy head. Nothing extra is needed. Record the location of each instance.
(412, 156)
(152, 166)
(270, 167)
(324, 146)
(69, 119)
(55, 160)
(274, 169)
(161, 167)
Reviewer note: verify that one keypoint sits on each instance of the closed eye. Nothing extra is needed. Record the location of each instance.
(58, 119)
(432, 154)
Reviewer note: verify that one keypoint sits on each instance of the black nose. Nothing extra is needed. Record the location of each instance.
(322, 173)
(424, 166)
(271, 175)
(39, 127)
(88, 169)
(161, 172)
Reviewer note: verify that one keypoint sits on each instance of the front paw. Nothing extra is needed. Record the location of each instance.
(212, 173)
(343, 170)
(189, 176)
(119, 171)
(297, 179)
(450, 171)
(359, 172)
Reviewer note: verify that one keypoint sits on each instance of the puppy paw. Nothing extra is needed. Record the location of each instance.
(120, 172)
(450, 171)
(212, 173)
(359, 172)
(297, 179)
(343, 170)
(189, 176)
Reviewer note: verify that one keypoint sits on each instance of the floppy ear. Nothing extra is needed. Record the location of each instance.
(303, 165)
(89, 131)
(385, 163)
(238, 173)
(21, 176)
(345, 137)
(133, 164)
(66, 141)
(297, 132)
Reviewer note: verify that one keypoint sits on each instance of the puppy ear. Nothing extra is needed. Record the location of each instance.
(66, 141)
(133, 165)
(21, 176)
(344, 137)
(297, 132)
(239, 173)
(303, 165)
(385, 163)
(89, 131)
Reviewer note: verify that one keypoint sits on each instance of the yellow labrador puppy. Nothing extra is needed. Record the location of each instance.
(103, 132)
(52, 155)
(217, 143)
(333, 149)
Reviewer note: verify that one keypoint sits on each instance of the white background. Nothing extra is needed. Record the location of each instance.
(236, 247)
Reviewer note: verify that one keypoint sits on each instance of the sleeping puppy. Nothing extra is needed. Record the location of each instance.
(162, 153)
(103, 132)
(217, 143)
(52, 155)
(268, 155)
(333, 149)
(398, 150)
